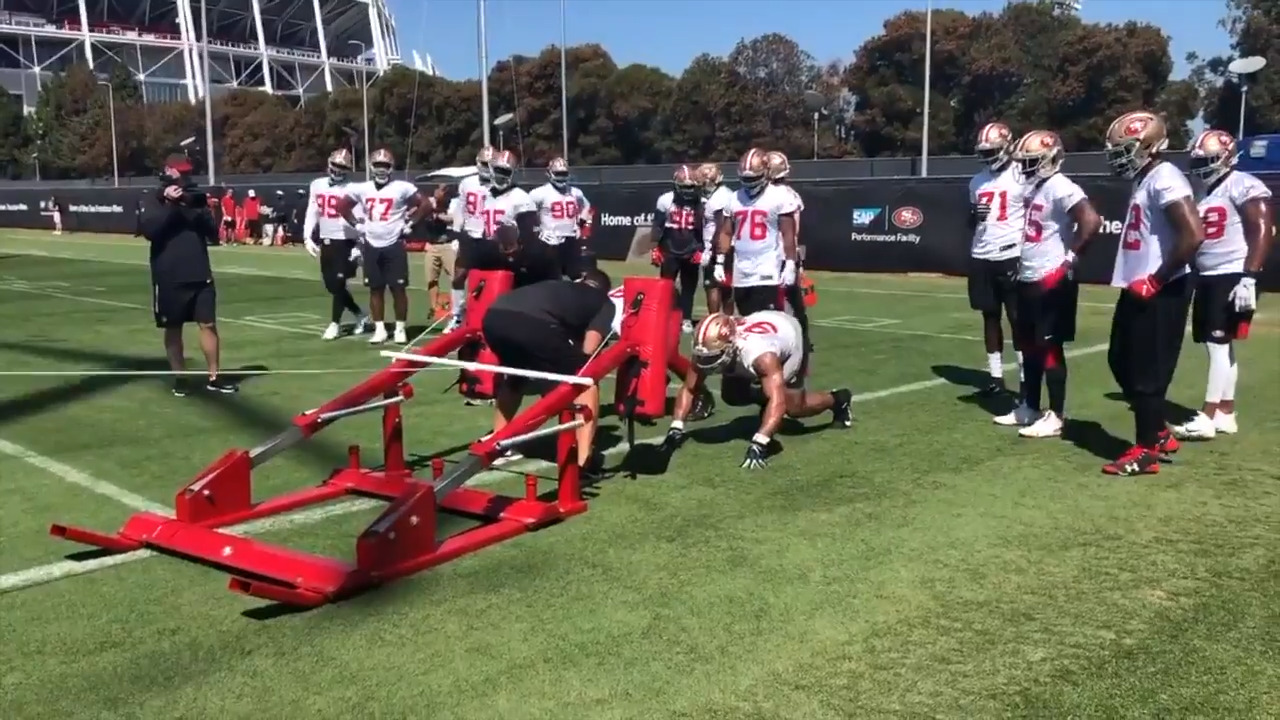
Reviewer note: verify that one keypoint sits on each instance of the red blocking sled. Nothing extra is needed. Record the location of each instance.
(404, 539)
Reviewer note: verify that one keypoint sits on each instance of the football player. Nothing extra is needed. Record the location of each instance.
(677, 234)
(468, 227)
(1235, 210)
(715, 198)
(391, 207)
(759, 226)
(337, 247)
(1162, 233)
(511, 226)
(1046, 292)
(561, 212)
(780, 175)
(764, 347)
(996, 218)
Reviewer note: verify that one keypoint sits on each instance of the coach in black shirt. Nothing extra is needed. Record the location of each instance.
(553, 326)
(182, 288)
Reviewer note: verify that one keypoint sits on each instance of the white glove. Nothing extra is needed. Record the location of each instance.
(454, 245)
(356, 254)
(1245, 295)
(718, 271)
(789, 273)
(406, 229)
(705, 260)
(312, 248)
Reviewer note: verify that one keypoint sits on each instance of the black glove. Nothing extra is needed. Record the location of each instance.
(981, 211)
(674, 439)
(756, 457)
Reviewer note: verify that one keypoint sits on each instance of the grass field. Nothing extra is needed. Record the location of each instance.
(925, 564)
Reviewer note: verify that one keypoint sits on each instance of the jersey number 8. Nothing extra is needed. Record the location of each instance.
(755, 222)
(1214, 219)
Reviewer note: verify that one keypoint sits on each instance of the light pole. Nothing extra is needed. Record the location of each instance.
(501, 122)
(364, 98)
(564, 86)
(208, 101)
(115, 153)
(815, 102)
(36, 157)
(483, 50)
(1242, 68)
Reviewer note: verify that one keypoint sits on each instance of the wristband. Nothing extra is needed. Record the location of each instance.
(760, 439)
(677, 425)
(719, 259)
(1070, 258)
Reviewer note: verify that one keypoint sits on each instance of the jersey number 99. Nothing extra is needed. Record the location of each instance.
(328, 206)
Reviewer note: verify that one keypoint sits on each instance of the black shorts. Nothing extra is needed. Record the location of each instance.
(1046, 315)
(176, 304)
(385, 266)
(992, 284)
(747, 300)
(569, 257)
(1146, 338)
(1213, 316)
(336, 265)
(524, 342)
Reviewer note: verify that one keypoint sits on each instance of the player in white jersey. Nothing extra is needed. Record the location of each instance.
(1235, 208)
(677, 236)
(780, 175)
(759, 226)
(1046, 292)
(561, 209)
(715, 198)
(511, 229)
(391, 207)
(329, 237)
(468, 229)
(1162, 232)
(764, 347)
(996, 218)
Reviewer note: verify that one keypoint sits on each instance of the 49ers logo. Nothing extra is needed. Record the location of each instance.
(907, 218)
(1136, 126)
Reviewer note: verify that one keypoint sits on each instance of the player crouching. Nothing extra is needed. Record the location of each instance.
(1235, 209)
(764, 346)
(1046, 293)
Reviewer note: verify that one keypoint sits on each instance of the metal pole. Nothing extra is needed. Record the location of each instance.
(115, 143)
(815, 136)
(564, 84)
(1244, 92)
(928, 82)
(208, 103)
(484, 74)
(364, 99)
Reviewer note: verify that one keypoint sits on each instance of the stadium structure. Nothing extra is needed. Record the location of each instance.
(287, 47)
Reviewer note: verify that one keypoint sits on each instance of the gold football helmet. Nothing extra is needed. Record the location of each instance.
(713, 343)
(710, 178)
(483, 158)
(340, 163)
(1213, 155)
(779, 166)
(1133, 141)
(685, 181)
(502, 167)
(558, 172)
(753, 171)
(1038, 155)
(994, 142)
(381, 163)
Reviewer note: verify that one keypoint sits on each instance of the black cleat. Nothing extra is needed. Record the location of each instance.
(180, 387)
(995, 388)
(218, 385)
(842, 411)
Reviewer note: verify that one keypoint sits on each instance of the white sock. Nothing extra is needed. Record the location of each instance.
(1219, 372)
(399, 326)
(380, 326)
(995, 365)
(1233, 374)
(458, 298)
(1021, 377)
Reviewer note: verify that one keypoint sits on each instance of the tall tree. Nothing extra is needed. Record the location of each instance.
(1254, 27)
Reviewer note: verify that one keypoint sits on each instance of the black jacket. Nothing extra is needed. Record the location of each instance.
(177, 234)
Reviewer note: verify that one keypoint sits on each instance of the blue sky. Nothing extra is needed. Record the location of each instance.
(668, 33)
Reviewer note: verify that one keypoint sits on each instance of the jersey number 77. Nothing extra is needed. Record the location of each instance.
(379, 209)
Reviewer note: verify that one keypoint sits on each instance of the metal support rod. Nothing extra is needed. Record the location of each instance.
(1244, 94)
(360, 409)
(564, 86)
(484, 367)
(115, 143)
(928, 83)
(540, 433)
(483, 50)
(208, 85)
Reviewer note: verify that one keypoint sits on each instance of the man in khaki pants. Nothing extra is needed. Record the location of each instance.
(441, 251)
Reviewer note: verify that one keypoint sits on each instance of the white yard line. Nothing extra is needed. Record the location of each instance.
(892, 331)
(65, 472)
(68, 568)
(922, 293)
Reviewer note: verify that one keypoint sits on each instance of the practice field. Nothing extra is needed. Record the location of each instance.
(924, 564)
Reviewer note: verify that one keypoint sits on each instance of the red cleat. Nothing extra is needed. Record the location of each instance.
(1137, 460)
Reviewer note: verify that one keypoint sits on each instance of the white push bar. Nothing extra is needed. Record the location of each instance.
(484, 367)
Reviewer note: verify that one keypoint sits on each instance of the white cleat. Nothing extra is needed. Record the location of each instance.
(1225, 423)
(1199, 427)
(362, 325)
(400, 337)
(1048, 425)
(1022, 416)
(686, 327)
(455, 322)
(332, 332)
(379, 335)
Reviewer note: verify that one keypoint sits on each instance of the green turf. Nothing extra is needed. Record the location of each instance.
(926, 564)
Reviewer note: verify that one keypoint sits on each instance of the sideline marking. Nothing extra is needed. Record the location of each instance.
(69, 568)
(81, 479)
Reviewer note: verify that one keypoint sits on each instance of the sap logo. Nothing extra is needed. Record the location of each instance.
(864, 217)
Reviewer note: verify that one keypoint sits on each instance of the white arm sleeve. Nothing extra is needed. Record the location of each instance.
(311, 219)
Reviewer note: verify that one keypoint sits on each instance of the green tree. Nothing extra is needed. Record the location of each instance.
(13, 141)
(1254, 27)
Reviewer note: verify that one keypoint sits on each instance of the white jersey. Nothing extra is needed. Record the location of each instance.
(716, 203)
(616, 295)
(998, 237)
(324, 211)
(386, 210)
(502, 208)
(1225, 249)
(1148, 236)
(558, 212)
(472, 193)
(1048, 219)
(757, 240)
(769, 331)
